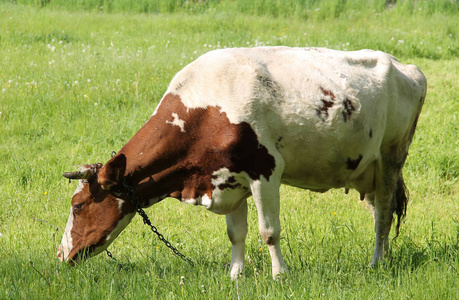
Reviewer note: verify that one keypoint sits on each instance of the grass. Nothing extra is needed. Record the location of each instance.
(77, 83)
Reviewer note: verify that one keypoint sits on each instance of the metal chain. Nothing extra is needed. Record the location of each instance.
(130, 192)
(109, 254)
(146, 221)
(133, 197)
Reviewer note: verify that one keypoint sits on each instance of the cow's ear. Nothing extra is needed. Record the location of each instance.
(112, 173)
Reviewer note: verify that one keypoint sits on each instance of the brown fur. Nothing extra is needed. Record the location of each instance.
(160, 160)
(90, 230)
(109, 177)
(166, 161)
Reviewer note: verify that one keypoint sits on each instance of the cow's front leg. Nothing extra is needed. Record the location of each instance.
(236, 226)
(266, 197)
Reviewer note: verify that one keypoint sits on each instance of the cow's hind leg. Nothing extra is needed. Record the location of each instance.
(390, 197)
(236, 225)
(266, 198)
(382, 216)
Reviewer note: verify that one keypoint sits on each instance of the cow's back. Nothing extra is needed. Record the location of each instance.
(327, 114)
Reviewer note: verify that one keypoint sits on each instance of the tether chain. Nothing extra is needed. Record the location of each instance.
(109, 254)
(133, 197)
(146, 220)
(130, 192)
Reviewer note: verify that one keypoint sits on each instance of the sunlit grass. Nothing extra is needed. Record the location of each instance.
(76, 85)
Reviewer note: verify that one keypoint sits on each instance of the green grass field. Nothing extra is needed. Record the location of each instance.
(77, 81)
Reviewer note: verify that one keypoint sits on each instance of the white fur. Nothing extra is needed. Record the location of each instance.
(221, 176)
(223, 201)
(362, 77)
(281, 93)
(201, 200)
(79, 187)
(190, 201)
(67, 241)
(177, 122)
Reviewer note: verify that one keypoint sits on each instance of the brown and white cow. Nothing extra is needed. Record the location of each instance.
(240, 122)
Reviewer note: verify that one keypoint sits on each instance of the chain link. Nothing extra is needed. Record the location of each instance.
(109, 254)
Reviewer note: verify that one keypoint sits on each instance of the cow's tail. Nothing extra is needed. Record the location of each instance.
(401, 198)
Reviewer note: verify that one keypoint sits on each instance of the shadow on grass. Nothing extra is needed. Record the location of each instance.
(411, 256)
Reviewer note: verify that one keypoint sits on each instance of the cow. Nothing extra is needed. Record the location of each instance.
(240, 122)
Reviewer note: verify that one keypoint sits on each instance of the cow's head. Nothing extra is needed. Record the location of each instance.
(99, 211)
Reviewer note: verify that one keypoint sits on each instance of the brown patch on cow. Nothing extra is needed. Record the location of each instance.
(111, 174)
(183, 164)
(230, 183)
(328, 93)
(248, 155)
(161, 161)
(348, 109)
(270, 241)
(327, 102)
(352, 164)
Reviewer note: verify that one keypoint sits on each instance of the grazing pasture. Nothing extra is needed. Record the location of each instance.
(76, 82)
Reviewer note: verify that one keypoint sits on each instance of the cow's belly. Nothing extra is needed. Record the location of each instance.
(327, 159)
(322, 179)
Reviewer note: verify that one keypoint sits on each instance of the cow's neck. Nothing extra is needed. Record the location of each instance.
(158, 161)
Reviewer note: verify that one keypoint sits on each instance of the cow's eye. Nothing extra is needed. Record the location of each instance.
(77, 208)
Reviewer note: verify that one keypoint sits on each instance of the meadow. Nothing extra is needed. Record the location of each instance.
(79, 78)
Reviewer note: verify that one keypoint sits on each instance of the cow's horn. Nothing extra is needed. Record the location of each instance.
(83, 174)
